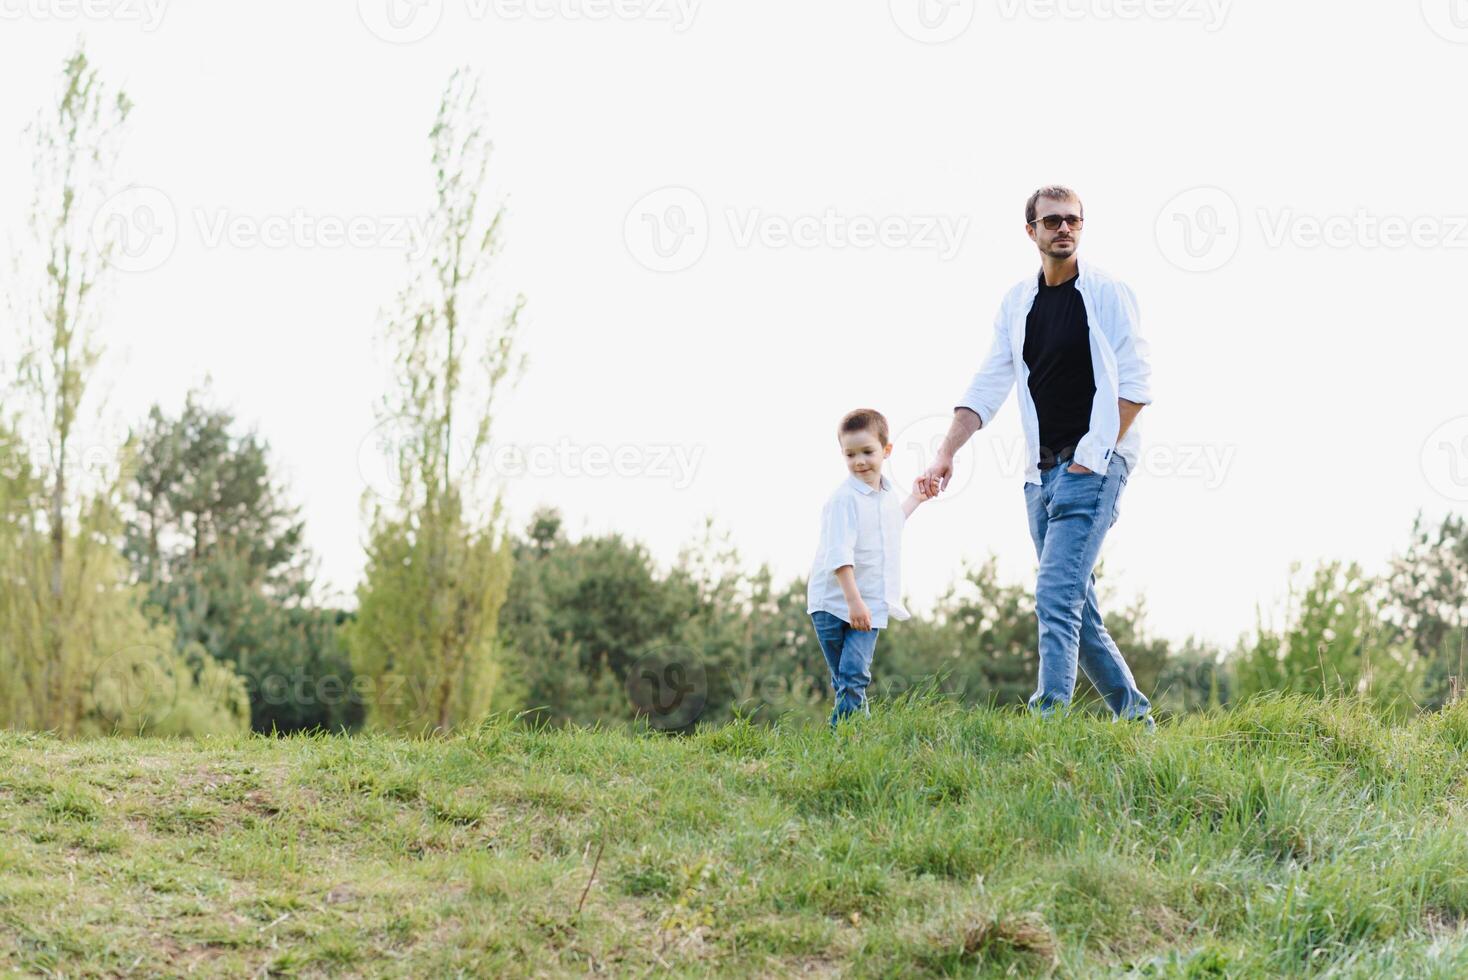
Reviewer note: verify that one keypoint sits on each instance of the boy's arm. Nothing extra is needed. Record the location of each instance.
(861, 616)
(919, 494)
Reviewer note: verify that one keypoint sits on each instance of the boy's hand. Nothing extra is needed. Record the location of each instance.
(861, 616)
(935, 479)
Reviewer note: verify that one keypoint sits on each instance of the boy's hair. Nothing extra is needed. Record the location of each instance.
(1051, 192)
(864, 418)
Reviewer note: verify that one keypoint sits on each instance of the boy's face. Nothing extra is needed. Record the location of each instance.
(864, 454)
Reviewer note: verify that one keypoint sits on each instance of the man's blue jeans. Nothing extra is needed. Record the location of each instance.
(1070, 514)
(849, 656)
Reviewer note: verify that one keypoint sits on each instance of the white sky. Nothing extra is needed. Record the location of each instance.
(1325, 379)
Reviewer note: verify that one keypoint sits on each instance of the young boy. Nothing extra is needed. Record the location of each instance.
(855, 582)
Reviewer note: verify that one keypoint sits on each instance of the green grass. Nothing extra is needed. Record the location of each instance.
(1285, 837)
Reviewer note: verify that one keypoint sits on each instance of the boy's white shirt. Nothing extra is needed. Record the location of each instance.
(1119, 361)
(861, 527)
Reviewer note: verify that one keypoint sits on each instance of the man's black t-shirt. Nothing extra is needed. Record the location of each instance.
(1058, 354)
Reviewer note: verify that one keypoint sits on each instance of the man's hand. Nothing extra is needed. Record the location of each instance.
(935, 478)
(1077, 468)
(861, 616)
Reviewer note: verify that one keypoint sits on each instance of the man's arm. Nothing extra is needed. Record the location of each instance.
(965, 423)
(986, 392)
(1133, 370)
(1129, 411)
(1134, 373)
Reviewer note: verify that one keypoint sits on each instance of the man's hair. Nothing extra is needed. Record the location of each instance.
(1052, 192)
(864, 418)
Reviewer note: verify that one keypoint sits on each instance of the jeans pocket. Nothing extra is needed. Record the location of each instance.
(1116, 497)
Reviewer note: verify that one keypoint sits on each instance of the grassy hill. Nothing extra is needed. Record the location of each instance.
(1283, 837)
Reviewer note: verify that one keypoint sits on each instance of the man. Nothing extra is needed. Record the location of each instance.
(1068, 338)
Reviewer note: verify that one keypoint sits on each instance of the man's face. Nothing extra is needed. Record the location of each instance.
(1062, 242)
(864, 454)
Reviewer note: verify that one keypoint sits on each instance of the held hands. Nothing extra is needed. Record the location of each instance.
(920, 493)
(934, 479)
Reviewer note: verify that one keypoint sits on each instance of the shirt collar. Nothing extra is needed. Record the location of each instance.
(862, 487)
(1080, 274)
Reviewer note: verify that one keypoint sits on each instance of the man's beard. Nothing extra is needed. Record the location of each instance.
(1052, 253)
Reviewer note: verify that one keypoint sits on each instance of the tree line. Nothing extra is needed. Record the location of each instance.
(166, 587)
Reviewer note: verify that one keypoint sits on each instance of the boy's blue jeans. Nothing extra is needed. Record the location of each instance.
(1070, 514)
(849, 657)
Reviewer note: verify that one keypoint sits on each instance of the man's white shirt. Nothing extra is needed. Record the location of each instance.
(861, 527)
(1118, 360)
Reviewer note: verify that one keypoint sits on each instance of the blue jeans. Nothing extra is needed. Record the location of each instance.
(849, 657)
(1070, 514)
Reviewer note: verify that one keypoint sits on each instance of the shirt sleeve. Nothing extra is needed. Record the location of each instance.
(990, 386)
(1133, 368)
(838, 533)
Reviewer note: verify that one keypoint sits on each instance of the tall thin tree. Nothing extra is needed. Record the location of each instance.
(438, 562)
(72, 632)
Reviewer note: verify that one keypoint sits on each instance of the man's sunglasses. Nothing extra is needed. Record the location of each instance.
(1052, 221)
